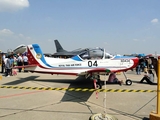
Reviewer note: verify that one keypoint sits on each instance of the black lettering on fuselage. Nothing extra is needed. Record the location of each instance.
(61, 65)
(125, 60)
(68, 65)
(90, 63)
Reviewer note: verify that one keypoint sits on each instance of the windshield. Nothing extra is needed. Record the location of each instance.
(108, 56)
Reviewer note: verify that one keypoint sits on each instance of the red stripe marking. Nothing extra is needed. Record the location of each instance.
(14, 95)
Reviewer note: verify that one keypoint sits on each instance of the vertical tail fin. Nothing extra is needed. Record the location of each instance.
(59, 48)
(36, 56)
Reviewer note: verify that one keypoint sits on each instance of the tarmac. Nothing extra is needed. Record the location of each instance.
(34, 96)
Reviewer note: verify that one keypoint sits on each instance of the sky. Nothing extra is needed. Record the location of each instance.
(119, 26)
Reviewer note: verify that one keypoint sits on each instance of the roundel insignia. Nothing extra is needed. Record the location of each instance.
(38, 56)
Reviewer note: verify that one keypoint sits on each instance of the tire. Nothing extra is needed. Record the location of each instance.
(128, 82)
(98, 85)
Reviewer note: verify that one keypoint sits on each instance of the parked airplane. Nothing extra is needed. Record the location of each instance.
(90, 63)
(60, 52)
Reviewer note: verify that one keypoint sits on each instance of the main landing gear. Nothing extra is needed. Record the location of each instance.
(96, 82)
(98, 85)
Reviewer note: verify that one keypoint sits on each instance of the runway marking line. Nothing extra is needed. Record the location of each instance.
(77, 89)
(20, 94)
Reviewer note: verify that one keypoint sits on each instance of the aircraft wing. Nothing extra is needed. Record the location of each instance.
(104, 70)
(99, 70)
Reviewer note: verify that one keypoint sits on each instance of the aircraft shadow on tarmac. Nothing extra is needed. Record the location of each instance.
(21, 80)
(74, 96)
(134, 81)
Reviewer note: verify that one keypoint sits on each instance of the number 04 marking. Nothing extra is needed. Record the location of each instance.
(90, 63)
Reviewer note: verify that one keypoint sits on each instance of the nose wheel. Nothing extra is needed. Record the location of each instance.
(128, 82)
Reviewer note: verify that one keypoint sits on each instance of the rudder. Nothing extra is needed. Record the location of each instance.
(34, 53)
(59, 48)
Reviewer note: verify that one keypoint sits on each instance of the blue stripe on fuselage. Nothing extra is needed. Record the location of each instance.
(123, 57)
(39, 51)
(76, 58)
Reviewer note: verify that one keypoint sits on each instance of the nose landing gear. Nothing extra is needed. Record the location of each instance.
(128, 81)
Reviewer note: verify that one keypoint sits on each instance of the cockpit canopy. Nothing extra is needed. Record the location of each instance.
(95, 53)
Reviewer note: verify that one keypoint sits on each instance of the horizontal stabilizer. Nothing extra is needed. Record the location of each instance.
(24, 66)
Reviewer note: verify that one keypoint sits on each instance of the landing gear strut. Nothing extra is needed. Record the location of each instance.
(128, 81)
(97, 82)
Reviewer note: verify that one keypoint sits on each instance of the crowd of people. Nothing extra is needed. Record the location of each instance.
(11, 60)
(144, 65)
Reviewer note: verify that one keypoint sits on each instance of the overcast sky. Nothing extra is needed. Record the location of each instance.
(119, 26)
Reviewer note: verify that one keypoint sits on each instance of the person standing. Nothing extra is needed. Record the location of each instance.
(12, 64)
(149, 63)
(25, 61)
(138, 69)
(20, 62)
(8, 66)
(3, 63)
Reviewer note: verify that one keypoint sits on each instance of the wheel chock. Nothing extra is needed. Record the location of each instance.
(100, 116)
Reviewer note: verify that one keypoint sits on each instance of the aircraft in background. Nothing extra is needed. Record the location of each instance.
(20, 49)
(60, 52)
(90, 63)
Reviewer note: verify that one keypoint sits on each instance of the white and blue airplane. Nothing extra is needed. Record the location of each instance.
(90, 63)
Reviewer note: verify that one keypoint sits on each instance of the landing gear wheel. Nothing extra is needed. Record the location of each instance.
(98, 85)
(128, 82)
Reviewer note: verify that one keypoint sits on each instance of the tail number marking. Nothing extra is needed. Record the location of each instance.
(125, 60)
(91, 63)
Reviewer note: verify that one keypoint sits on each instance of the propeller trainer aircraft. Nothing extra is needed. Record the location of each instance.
(90, 63)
